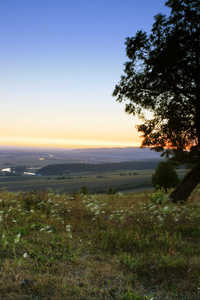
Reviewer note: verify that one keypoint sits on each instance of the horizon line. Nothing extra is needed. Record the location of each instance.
(65, 147)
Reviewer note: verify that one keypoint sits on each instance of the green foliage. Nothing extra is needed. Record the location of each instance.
(157, 197)
(165, 176)
(133, 263)
(111, 191)
(84, 190)
(130, 295)
(161, 76)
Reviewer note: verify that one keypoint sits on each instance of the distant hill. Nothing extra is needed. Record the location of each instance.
(114, 154)
(59, 169)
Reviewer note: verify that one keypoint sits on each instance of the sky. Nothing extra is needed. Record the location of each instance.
(59, 63)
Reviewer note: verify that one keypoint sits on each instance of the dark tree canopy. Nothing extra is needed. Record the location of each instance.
(165, 176)
(162, 76)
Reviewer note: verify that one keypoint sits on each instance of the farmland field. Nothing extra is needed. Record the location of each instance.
(95, 182)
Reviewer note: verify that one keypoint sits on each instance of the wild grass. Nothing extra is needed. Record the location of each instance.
(123, 246)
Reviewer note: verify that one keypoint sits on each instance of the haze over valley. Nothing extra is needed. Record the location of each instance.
(40, 157)
(67, 170)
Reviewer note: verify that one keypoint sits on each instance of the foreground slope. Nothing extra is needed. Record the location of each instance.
(98, 246)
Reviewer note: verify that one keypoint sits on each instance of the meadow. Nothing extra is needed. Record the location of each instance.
(89, 246)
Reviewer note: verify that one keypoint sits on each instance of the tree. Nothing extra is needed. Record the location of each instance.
(165, 176)
(84, 190)
(162, 76)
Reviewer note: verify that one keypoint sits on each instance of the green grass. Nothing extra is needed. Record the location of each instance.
(121, 246)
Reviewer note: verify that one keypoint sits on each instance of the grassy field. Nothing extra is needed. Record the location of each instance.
(123, 246)
(96, 182)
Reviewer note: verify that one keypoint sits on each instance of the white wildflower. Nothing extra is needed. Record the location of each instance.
(16, 240)
(160, 219)
(25, 255)
(166, 208)
(68, 228)
(120, 194)
(152, 207)
(46, 228)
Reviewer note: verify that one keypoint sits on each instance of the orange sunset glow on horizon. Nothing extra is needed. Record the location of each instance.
(63, 128)
(66, 143)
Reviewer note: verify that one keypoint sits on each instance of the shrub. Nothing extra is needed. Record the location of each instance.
(84, 190)
(158, 197)
(111, 191)
(165, 176)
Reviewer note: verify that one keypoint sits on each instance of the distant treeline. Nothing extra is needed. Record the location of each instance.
(59, 169)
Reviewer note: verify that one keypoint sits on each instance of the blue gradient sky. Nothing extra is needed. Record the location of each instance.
(59, 63)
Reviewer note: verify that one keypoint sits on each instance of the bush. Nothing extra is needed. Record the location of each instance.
(165, 176)
(84, 190)
(111, 191)
(158, 197)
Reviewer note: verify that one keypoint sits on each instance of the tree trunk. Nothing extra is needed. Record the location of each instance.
(187, 185)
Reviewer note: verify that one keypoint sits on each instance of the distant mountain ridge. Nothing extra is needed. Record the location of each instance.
(116, 154)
